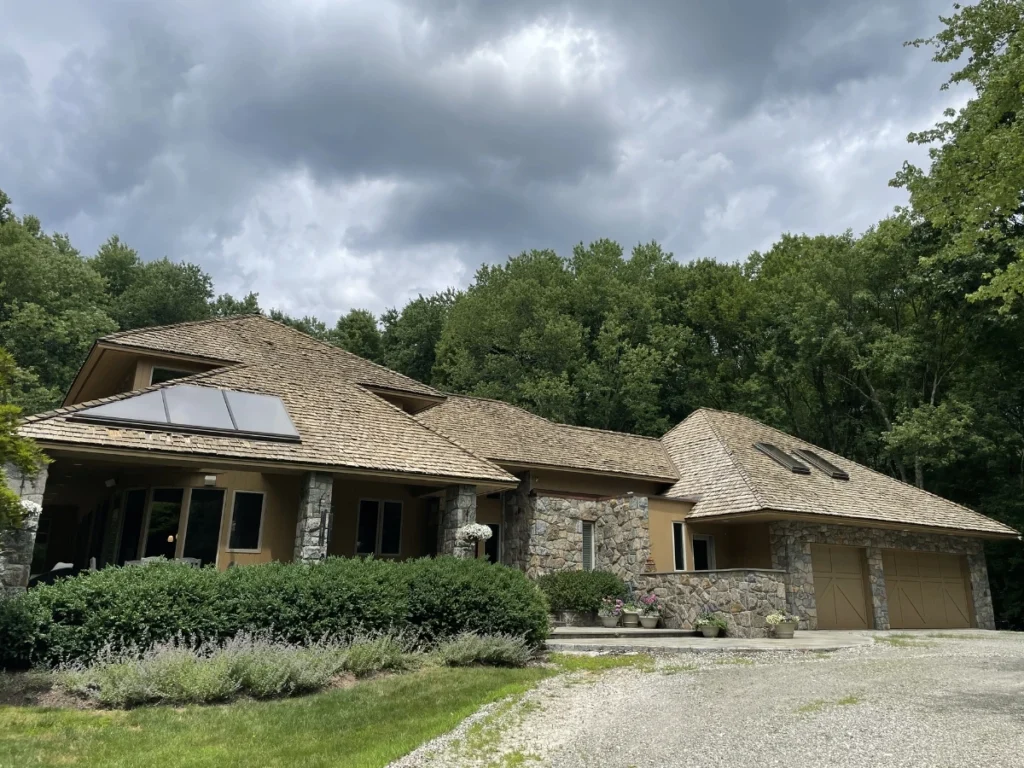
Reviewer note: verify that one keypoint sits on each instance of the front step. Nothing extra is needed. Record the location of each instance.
(605, 633)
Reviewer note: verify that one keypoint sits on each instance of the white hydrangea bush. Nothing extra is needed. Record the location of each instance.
(473, 532)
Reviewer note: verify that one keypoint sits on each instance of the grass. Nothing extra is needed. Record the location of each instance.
(819, 704)
(370, 724)
(954, 636)
(903, 640)
(571, 662)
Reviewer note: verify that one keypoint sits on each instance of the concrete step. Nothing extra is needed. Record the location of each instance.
(606, 633)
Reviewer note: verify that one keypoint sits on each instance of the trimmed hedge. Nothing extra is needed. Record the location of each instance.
(72, 619)
(580, 590)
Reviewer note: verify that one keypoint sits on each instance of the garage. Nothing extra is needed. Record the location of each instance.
(840, 587)
(926, 590)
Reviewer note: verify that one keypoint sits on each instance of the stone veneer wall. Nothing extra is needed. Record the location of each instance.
(743, 595)
(16, 545)
(459, 509)
(315, 519)
(791, 550)
(543, 534)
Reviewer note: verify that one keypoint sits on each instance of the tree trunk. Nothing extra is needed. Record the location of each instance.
(918, 472)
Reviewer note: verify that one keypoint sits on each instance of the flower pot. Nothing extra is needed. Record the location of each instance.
(709, 630)
(785, 629)
(630, 619)
(649, 622)
(609, 621)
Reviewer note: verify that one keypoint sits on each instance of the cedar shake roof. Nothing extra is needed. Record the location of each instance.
(514, 436)
(341, 424)
(718, 463)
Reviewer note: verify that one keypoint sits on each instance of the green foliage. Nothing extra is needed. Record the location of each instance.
(358, 333)
(580, 590)
(14, 449)
(469, 648)
(136, 607)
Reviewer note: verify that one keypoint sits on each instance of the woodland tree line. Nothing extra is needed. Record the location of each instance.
(901, 348)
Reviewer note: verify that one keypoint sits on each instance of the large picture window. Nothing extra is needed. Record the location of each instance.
(246, 522)
(379, 528)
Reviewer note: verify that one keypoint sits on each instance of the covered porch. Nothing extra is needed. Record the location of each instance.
(101, 510)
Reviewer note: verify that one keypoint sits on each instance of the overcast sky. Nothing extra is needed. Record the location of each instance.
(331, 154)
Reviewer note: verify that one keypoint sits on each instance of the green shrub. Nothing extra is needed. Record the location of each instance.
(341, 598)
(470, 648)
(580, 590)
(384, 653)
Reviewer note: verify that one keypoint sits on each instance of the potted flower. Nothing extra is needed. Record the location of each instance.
(782, 624)
(610, 611)
(650, 611)
(630, 614)
(710, 624)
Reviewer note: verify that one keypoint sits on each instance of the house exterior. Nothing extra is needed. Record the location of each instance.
(239, 441)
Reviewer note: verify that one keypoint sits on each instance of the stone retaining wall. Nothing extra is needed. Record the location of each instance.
(744, 596)
(791, 550)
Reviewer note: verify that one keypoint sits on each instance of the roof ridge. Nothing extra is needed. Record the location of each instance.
(68, 409)
(736, 465)
(437, 432)
(545, 418)
(182, 324)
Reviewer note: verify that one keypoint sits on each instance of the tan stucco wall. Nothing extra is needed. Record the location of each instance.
(662, 515)
(345, 501)
(737, 545)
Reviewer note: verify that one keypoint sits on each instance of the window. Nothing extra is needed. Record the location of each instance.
(246, 522)
(678, 546)
(160, 375)
(703, 552)
(202, 529)
(131, 527)
(379, 528)
(588, 546)
(164, 519)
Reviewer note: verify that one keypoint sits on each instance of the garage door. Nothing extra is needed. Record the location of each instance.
(926, 590)
(839, 587)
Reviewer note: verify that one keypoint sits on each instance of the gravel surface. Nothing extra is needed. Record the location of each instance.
(931, 700)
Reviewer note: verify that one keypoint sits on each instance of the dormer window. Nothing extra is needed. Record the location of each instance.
(160, 375)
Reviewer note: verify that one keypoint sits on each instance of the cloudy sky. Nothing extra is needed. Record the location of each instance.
(331, 154)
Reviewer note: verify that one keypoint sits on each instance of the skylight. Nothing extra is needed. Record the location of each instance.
(783, 458)
(203, 410)
(824, 465)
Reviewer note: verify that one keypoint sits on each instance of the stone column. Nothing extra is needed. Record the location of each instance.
(876, 580)
(793, 555)
(316, 519)
(458, 509)
(984, 614)
(16, 545)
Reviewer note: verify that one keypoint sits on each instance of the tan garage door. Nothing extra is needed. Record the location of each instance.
(839, 587)
(926, 590)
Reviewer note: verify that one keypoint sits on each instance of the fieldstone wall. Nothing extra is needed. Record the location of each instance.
(459, 509)
(315, 519)
(543, 534)
(744, 596)
(16, 545)
(791, 550)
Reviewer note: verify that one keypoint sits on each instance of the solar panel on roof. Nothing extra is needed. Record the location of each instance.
(824, 465)
(192, 406)
(148, 407)
(205, 410)
(783, 458)
(259, 413)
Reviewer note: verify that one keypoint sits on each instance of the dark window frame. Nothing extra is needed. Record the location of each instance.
(231, 522)
(378, 540)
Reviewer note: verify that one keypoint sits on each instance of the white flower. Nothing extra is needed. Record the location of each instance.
(473, 532)
(31, 507)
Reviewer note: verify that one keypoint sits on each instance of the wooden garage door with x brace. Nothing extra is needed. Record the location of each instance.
(926, 590)
(839, 587)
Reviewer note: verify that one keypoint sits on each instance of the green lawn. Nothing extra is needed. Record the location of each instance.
(367, 725)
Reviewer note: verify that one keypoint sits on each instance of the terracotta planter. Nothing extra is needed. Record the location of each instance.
(709, 630)
(785, 630)
(609, 621)
(630, 619)
(649, 622)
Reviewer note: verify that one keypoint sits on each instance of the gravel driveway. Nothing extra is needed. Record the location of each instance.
(944, 699)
